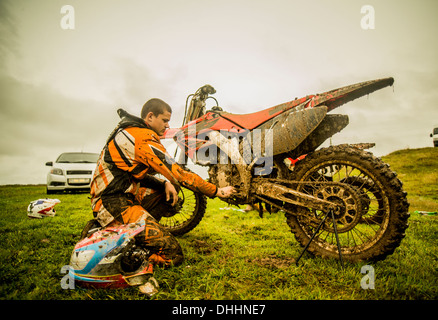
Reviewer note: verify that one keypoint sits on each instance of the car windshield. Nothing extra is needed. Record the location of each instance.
(435, 131)
(78, 157)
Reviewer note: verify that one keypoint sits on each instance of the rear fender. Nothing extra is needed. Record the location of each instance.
(337, 97)
(329, 126)
(286, 131)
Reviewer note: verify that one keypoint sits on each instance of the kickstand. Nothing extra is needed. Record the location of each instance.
(317, 230)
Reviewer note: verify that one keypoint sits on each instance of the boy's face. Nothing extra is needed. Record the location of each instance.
(158, 123)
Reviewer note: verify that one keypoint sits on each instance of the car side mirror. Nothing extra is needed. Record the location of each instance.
(431, 135)
(49, 164)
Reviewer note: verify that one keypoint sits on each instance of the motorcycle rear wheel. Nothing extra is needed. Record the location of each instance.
(383, 206)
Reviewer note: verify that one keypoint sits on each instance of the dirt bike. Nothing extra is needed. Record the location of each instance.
(340, 201)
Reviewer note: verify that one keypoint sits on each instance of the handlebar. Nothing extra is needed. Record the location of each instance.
(197, 104)
(207, 89)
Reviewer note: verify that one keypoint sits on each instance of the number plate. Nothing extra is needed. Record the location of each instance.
(79, 181)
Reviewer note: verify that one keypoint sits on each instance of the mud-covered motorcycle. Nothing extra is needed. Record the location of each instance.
(340, 201)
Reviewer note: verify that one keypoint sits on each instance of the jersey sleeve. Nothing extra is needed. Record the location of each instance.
(150, 151)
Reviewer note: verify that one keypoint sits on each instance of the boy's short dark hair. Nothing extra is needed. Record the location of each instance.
(156, 106)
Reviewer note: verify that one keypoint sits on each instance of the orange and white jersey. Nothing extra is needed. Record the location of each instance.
(132, 155)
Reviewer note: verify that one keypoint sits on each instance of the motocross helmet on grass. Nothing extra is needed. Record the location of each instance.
(42, 208)
(110, 258)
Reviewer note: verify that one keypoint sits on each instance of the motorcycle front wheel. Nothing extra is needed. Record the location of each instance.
(374, 214)
(189, 212)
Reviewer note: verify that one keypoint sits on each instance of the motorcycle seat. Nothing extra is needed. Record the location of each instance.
(253, 120)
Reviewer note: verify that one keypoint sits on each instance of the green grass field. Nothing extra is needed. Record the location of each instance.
(231, 254)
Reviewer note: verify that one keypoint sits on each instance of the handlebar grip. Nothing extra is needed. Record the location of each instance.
(122, 113)
(208, 89)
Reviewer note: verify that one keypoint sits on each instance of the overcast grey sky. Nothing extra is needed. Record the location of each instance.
(60, 88)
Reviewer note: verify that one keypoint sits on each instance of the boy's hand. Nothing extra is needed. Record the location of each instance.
(171, 193)
(225, 192)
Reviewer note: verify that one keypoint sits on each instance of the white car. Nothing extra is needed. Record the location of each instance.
(434, 135)
(71, 171)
